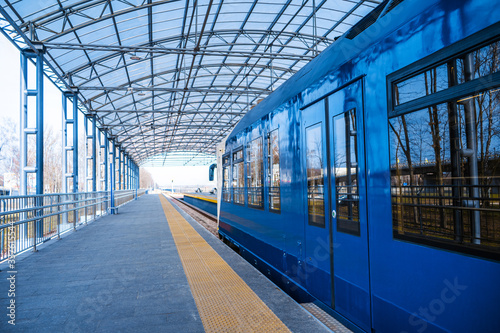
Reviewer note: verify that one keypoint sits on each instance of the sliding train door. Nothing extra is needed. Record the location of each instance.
(316, 265)
(350, 278)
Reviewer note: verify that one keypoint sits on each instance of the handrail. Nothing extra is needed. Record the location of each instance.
(30, 220)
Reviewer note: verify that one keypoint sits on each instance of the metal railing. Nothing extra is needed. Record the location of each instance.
(30, 220)
(439, 212)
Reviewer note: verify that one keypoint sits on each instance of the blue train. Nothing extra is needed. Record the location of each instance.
(369, 182)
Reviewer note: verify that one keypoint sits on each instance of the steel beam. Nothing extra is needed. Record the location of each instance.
(202, 51)
(208, 90)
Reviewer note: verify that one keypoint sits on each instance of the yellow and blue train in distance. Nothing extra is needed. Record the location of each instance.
(369, 181)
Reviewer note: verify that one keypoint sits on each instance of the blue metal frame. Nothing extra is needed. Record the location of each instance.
(90, 154)
(112, 166)
(119, 168)
(70, 146)
(103, 153)
(27, 131)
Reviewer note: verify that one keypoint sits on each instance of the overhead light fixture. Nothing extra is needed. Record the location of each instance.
(135, 57)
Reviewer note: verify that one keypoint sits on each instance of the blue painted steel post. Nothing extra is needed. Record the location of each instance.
(93, 119)
(104, 159)
(103, 140)
(112, 195)
(119, 162)
(122, 176)
(90, 154)
(70, 121)
(69, 145)
(128, 173)
(125, 158)
(37, 131)
(112, 171)
(75, 157)
(39, 142)
(136, 176)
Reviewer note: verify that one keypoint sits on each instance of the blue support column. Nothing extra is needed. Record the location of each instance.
(128, 173)
(70, 148)
(70, 143)
(123, 171)
(112, 191)
(90, 154)
(125, 158)
(103, 140)
(136, 176)
(119, 177)
(32, 130)
(112, 163)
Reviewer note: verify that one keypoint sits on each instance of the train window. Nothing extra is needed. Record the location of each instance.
(254, 170)
(346, 172)
(429, 82)
(238, 178)
(238, 155)
(226, 166)
(273, 151)
(445, 159)
(315, 176)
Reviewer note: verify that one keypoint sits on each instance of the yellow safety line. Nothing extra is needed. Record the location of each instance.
(224, 301)
(201, 198)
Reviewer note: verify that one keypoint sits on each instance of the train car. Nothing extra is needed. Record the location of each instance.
(369, 181)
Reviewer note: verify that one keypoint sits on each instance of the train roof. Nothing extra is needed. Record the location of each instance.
(338, 53)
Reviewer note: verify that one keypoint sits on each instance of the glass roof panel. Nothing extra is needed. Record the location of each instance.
(107, 47)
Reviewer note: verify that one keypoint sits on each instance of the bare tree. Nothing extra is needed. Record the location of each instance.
(146, 180)
(9, 146)
(52, 167)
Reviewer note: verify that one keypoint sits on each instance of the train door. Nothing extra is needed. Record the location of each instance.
(315, 267)
(350, 278)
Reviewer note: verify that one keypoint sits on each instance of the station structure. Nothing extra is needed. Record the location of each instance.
(159, 83)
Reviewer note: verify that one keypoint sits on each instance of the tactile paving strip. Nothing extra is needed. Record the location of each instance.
(224, 301)
(325, 318)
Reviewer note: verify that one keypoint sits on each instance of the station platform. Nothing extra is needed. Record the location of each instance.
(206, 202)
(151, 268)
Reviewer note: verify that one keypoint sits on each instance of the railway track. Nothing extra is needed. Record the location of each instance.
(207, 220)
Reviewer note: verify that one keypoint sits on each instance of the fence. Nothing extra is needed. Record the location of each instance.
(30, 220)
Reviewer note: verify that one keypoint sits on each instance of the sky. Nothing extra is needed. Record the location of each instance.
(10, 107)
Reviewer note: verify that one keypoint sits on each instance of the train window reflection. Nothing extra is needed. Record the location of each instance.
(445, 171)
(429, 82)
(346, 172)
(226, 166)
(274, 171)
(315, 176)
(238, 178)
(473, 65)
(254, 170)
(483, 61)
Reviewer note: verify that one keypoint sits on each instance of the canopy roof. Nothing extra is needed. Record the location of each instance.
(171, 76)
